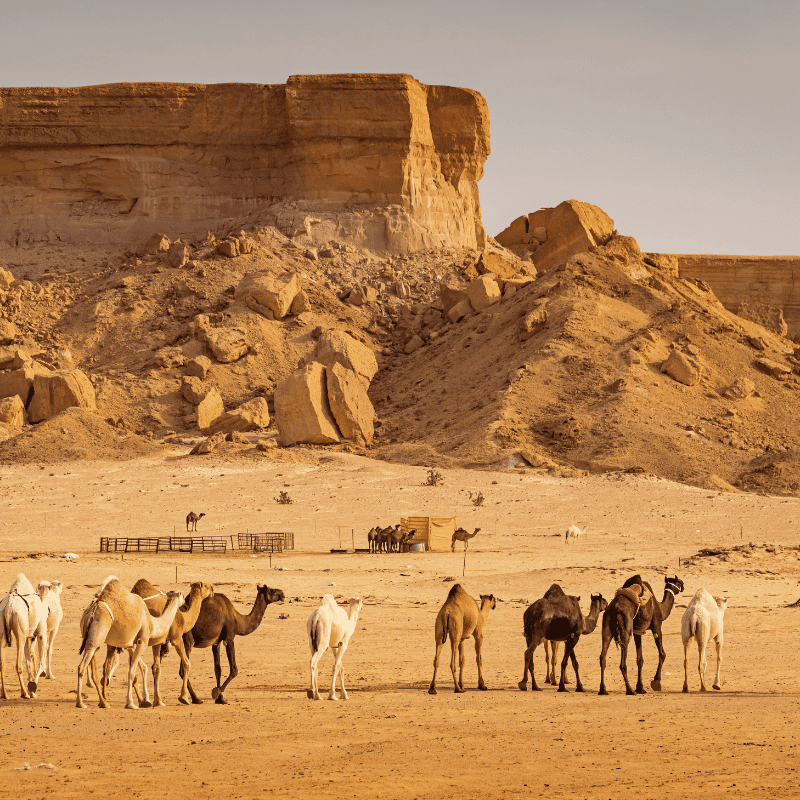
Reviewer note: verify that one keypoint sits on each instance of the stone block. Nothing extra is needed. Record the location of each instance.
(8, 332)
(740, 389)
(193, 389)
(450, 296)
(158, 243)
(198, 367)
(302, 411)
(57, 390)
(209, 408)
(460, 310)
(208, 445)
(777, 370)
(12, 412)
(483, 291)
(514, 285)
(350, 405)
(683, 367)
(267, 294)
(491, 263)
(300, 304)
(229, 248)
(227, 344)
(178, 254)
(413, 344)
(338, 347)
(250, 416)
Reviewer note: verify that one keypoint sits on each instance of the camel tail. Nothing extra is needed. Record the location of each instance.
(83, 642)
(7, 622)
(445, 626)
(315, 636)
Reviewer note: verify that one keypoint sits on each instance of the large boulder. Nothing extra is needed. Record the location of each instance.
(250, 416)
(267, 294)
(209, 408)
(8, 331)
(302, 412)
(496, 264)
(338, 347)
(350, 405)
(483, 292)
(451, 296)
(178, 254)
(193, 389)
(685, 368)
(460, 310)
(156, 244)
(20, 381)
(55, 391)
(12, 412)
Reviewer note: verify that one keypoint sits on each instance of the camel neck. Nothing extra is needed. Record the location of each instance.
(668, 602)
(247, 624)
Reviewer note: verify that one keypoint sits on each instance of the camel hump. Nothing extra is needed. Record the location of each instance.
(144, 588)
(555, 592)
(454, 591)
(634, 579)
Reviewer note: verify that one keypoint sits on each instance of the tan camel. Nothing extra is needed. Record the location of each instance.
(50, 595)
(459, 618)
(462, 536)
(118, 618)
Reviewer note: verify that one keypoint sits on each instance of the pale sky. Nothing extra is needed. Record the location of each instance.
(679, 118)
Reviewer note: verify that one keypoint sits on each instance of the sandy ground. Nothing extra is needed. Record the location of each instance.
(392, 739)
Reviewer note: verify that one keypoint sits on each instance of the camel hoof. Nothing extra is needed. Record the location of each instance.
(146, 704)
(221, 701)
(629, 692)
(640, 690)
(214, 693)
(523, 687)
(703, 689)
(717, 687)
(579, 689)
(196, 701)
(561, 689)
(432, 691)
(459, 691)
(309, 694)
(603, 691)
(536, 688)
(32, 687)
(685, 690)
(655, 685)
(183, 700)
(484, 688)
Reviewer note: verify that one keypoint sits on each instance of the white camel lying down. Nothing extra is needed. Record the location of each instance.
(330, 626)
(702, 621)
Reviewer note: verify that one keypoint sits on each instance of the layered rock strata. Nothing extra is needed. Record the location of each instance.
(383, 161)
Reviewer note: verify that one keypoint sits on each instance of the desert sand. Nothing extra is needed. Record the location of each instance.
(391, 738)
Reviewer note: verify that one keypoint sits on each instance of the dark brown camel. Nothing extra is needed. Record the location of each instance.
(624, 617)
(372, 538)
(220, 622)
(462, 536)
(191, 521)
(558, 617)
(397, 538)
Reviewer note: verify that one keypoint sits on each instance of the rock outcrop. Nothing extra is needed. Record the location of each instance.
(551, 235)
(382, 161)
(55, 391)
(350, 405)
(302, 411)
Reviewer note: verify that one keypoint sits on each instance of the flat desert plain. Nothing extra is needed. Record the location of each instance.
(391, 738)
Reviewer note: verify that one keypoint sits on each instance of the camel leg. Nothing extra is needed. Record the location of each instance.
(479, 660)
(180, 649)
(655, 684)
(535, 640)
(569, 654)
(523, 684)
(188, 643)
(316, 657)
(21, 644)
(439, 645)
(136, 652)
(345, 696)
(3, 695)
(338, 654)
(462, 657)
(454, 646)
(603, 651)
(686, 665)
(34, 652)
(637, 639)
(718, 643)
(623, 664)
(86, 661)
(157, 700)
(701, 664)
(145, 699)
(46, 668)
(230, 650)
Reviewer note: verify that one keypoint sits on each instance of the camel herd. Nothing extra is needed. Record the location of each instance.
(145, 617)
(392, 539)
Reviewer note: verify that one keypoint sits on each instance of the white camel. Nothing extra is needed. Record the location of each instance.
(120, 619)
(573, 532)
(52, 592)
(23, 614)
(330, 626)
(702, 621)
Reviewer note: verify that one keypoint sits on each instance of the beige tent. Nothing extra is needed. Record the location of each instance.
(435, 532)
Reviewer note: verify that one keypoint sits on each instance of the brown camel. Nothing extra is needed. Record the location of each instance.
(372, 538)
(462, 536)
(459, 618)
(626, 615)
(557, 617)
(220, 622)
(397, 538)
(191, 521)
(382, 537)
(184, 621)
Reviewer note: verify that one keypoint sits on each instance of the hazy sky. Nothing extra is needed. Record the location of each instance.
(680, 119)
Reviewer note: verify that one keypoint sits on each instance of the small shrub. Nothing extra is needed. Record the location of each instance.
(478, 499)
(434, 478)
(284, 499)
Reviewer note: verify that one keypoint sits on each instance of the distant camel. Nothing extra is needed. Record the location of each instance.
(220, 622)
(462, 536)
(558, 617)
(702, 621)
(372, 537)
(459, 618)
(382, 537)
(330, 626)
(397, 538)
(23, 614)
(191, 521)
(574, 532)
(635, 610)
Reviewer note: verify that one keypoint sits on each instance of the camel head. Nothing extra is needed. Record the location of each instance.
(675, 585)
(356, 604)
(601, 602)
(722, 603)
(43, 589)
(56, 587)
(271, 595)
(488, 602)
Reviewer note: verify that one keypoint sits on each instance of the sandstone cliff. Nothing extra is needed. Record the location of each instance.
(382, 161)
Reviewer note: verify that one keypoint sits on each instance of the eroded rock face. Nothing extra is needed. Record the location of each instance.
(350, 405)
(250, 416)
(302, 412)
(12, 412)
(177, 156)
(55, 391)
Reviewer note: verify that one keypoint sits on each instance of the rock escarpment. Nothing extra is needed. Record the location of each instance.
(382, 161)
